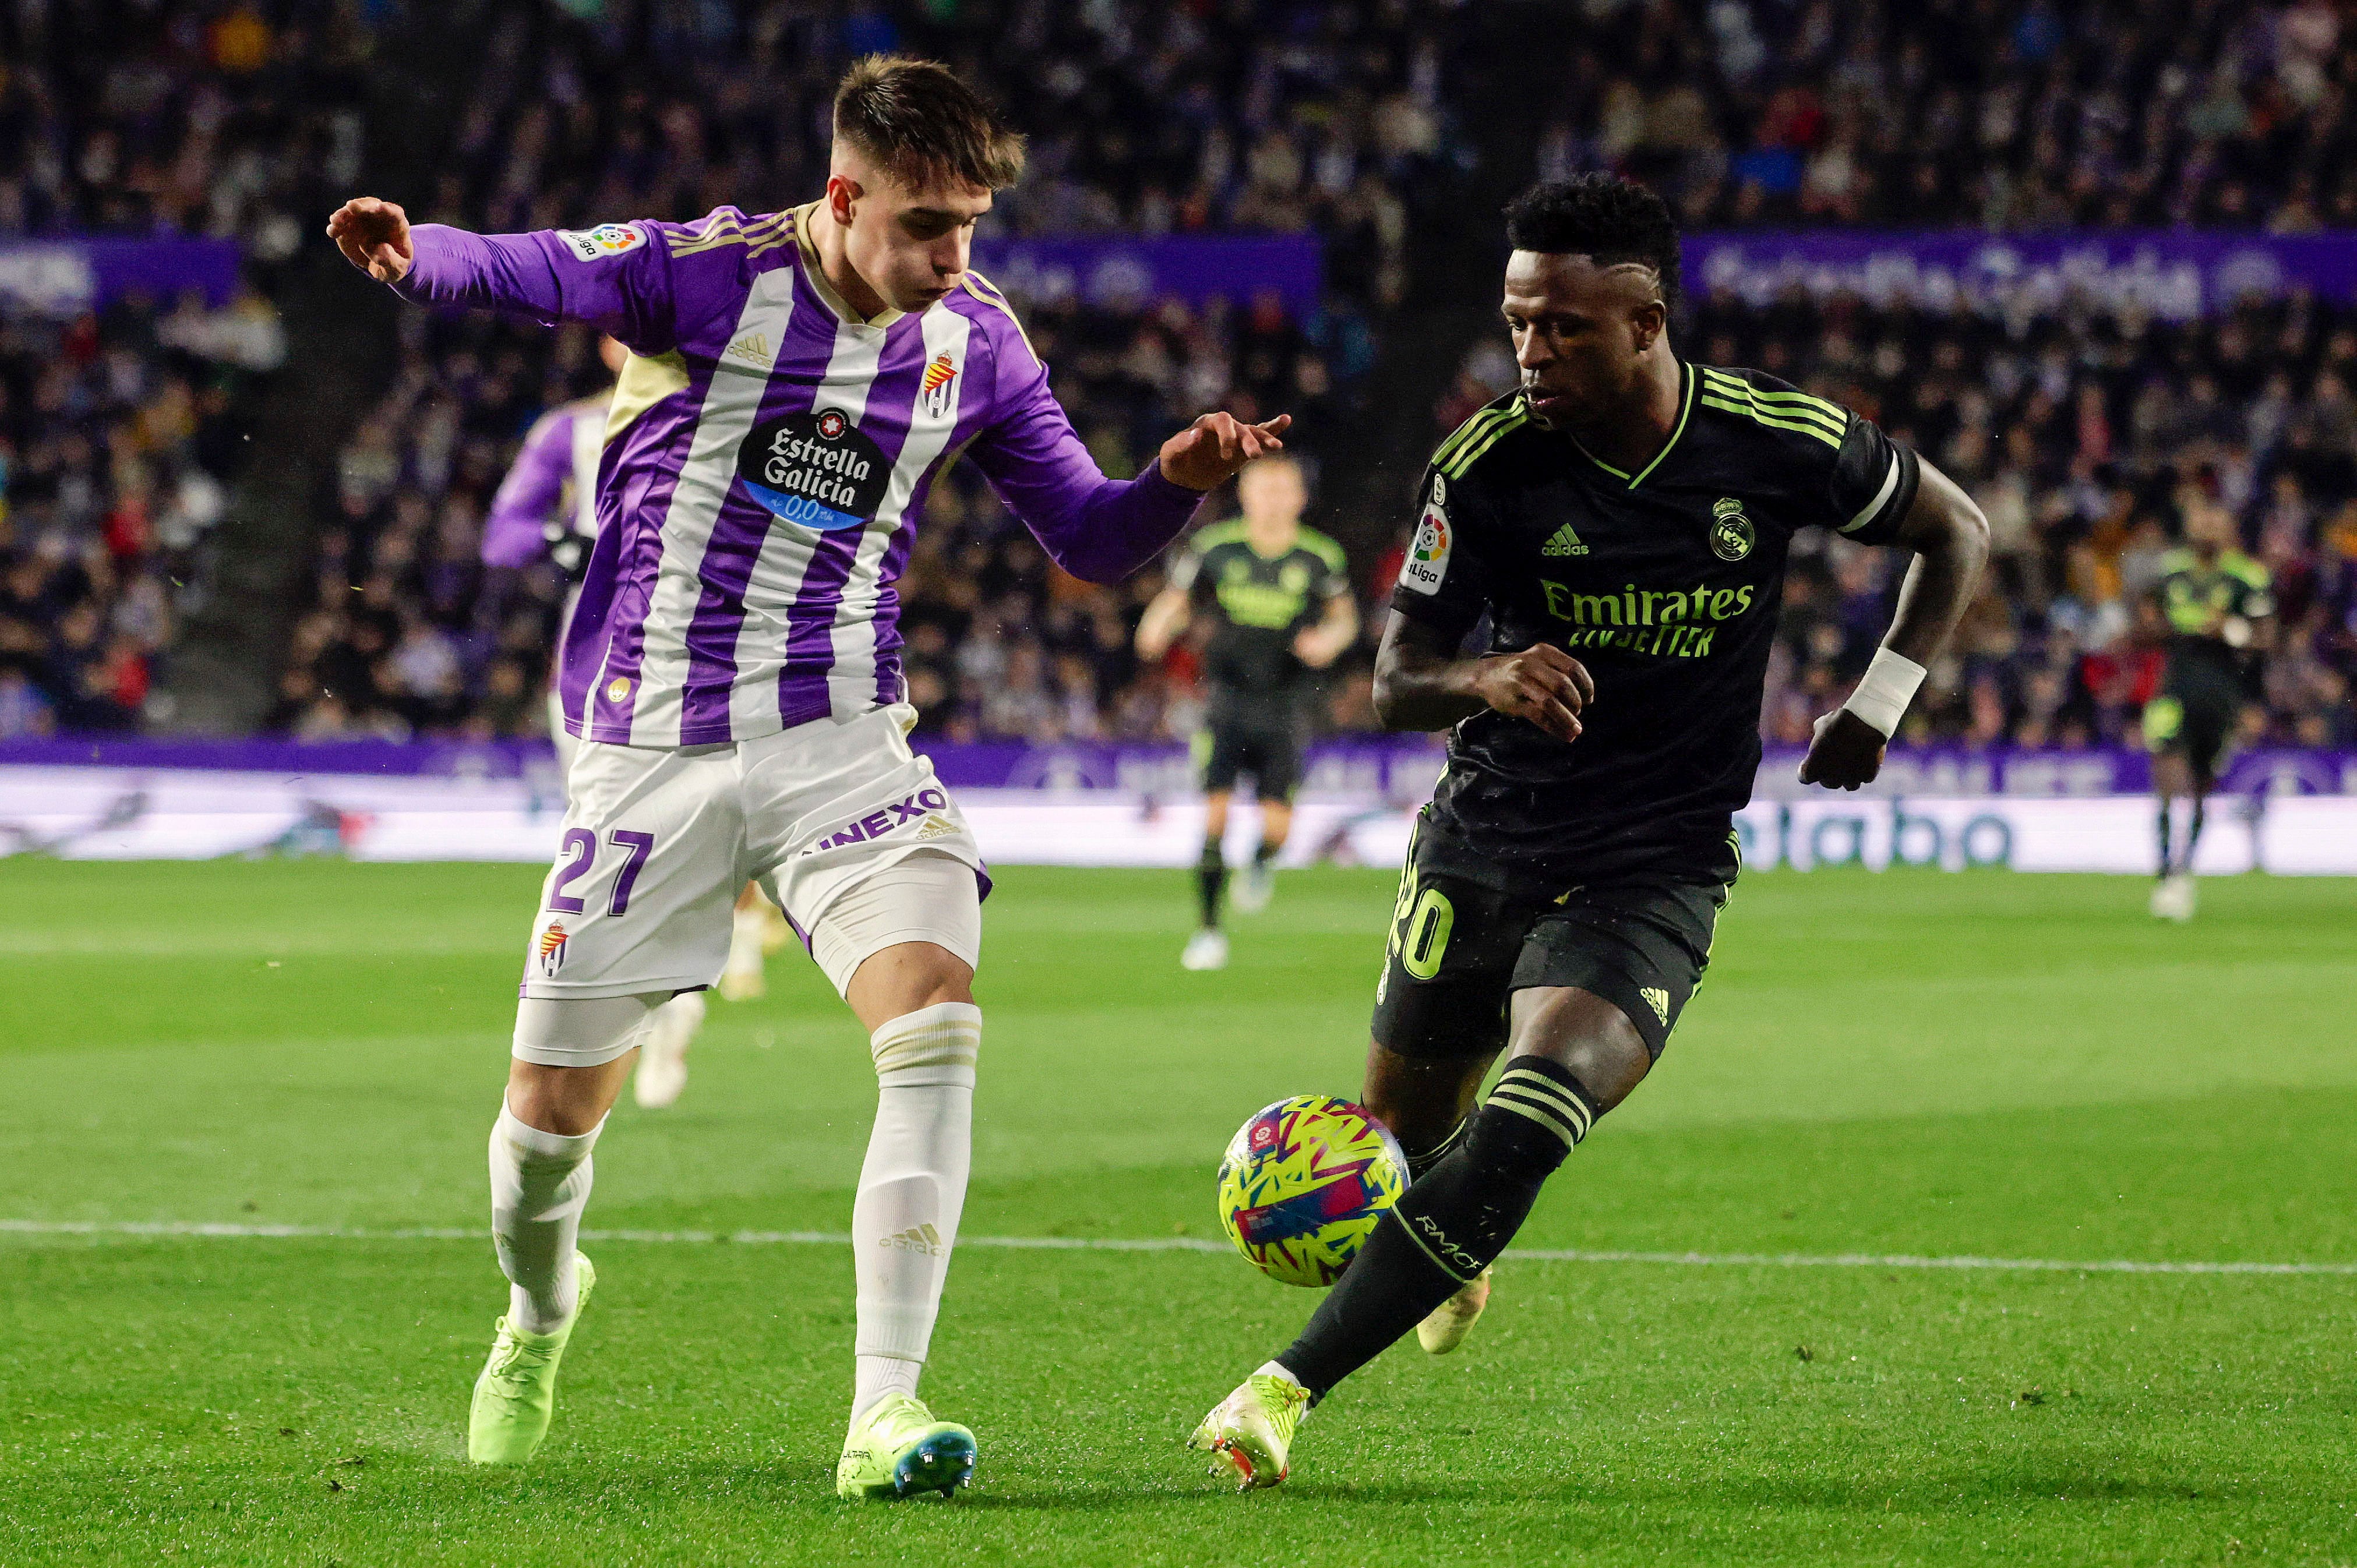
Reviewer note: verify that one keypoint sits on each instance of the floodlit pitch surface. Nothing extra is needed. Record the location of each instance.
(1925, 1066)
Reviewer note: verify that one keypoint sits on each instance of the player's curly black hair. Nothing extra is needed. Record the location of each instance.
(1602, 217)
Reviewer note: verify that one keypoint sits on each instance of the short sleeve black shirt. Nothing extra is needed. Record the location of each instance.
(1665, 583)
(1258, 605)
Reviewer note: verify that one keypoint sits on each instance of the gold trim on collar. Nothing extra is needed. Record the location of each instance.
(815, 270)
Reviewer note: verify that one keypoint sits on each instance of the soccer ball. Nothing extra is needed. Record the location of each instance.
(1303, 1183)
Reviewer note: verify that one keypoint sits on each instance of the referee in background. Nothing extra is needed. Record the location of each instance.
(1278, 598)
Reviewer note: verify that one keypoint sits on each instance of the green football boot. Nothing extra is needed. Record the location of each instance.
(1453, 1319)
(1251, 1431)
(897, 1448)
(516, 1392)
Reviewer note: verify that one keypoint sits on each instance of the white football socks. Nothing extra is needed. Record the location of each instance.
(540, 1183)
(911, 1190)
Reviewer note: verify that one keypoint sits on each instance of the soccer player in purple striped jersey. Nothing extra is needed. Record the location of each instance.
(796, 380)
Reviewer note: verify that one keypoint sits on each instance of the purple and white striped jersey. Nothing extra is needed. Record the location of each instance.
(555, 475)
(764, 462)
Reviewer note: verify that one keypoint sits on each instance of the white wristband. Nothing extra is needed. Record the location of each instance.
(1883, 694)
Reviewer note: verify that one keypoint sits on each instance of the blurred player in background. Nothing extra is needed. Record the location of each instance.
(1279, 598)
(795, 382)
(1621, 522)
(547, 505)
(2218, 609)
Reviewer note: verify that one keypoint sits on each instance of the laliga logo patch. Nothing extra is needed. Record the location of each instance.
(1730, 531)
(1428, 555)
(815, 468)
(935, 394)
(605, 240)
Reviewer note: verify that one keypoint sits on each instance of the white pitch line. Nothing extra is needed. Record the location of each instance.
(217, 1231)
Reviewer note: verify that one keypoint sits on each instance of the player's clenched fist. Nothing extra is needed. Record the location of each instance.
(1542, 683)
(1844, 752)
(374, 237)
(1207, 453)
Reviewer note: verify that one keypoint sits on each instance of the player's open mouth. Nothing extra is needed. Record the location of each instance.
(1546, 402)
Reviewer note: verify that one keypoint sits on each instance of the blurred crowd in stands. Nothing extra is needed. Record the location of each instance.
(2087, 436)
(2088, 439)
(119, 437)
(1995, 113)
(121, 430)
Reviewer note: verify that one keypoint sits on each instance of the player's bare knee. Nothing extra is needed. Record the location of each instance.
(567, 1101)
(1592, 1038)
(905, 978)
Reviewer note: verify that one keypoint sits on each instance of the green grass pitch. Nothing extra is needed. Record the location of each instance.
(1987, 1065)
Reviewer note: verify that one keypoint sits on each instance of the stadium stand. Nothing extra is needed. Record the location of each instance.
(121, 429)
(2086, 434)
(2003, 117)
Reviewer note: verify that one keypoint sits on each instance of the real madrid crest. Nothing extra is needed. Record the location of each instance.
(1731, 532)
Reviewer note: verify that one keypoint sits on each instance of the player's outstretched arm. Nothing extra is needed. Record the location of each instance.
(616, 278)
(1422, 683)
(1950, 538)
(1102, 530)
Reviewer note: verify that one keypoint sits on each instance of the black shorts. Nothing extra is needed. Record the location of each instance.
(2196, 720)
(1262, 743)
(1461, 948)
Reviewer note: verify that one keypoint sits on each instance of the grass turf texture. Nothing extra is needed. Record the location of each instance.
(1919, 1063)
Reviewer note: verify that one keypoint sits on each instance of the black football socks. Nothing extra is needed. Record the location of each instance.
(1210, 881)
(1450, 1225)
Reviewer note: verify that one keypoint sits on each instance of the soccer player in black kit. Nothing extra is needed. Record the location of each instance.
(1278, 597)
(1621, 520)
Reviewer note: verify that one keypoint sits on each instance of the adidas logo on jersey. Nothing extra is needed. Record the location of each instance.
(936, 827)
(753, 345)
(1659, 1001)
(1564, 542)
(916, 1239)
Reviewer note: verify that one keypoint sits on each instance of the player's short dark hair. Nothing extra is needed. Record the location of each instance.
(924, 126)
(1602, 217)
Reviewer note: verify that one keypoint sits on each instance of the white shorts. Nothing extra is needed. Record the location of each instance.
(657, 842)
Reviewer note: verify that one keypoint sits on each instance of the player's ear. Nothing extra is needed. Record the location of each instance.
(842, 190)
(1646, 323)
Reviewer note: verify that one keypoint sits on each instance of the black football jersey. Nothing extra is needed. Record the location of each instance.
(1259, 603)
(2197, 598)
(1665, 583)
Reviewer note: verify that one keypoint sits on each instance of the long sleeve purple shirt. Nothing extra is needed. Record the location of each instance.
(556, 471)
(767, 457)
